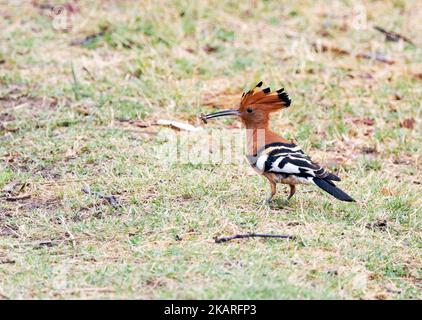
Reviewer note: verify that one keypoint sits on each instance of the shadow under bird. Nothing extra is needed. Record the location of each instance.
(272, 156)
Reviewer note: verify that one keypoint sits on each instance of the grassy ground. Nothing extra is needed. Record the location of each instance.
(60, 105)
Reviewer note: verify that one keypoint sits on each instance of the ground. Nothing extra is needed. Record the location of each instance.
(79, 113)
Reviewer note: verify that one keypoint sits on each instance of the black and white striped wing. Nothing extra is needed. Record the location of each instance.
(290, 160)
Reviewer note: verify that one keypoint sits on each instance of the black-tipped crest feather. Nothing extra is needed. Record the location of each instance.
(278, 99)
(283, 96)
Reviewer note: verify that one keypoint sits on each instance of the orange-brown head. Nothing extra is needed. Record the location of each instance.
(255, 107)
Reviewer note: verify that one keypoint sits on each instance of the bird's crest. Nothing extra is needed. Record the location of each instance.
(264, 97)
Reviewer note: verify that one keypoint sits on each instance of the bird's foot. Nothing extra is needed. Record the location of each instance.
(266, 202)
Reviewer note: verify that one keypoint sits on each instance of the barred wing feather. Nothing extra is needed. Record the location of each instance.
(289, 159)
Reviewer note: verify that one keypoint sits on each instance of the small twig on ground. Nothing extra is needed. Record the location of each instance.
(252, 235)
(24, 197)
(109, 198)
(88, 39)
(7, 261)
(393, 36)
(375, 56)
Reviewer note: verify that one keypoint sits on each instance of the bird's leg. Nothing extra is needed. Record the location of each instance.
(292, 191)
(272, 193)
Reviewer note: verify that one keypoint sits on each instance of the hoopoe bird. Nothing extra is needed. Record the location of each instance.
(277, 159)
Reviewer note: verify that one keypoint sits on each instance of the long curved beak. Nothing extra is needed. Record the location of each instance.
(223, 113)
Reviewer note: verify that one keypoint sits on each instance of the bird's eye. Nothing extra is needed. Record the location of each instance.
(249, 110)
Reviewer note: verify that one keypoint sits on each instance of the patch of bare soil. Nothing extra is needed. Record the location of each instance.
(24, 197)
(46, 204)
(16, 97)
